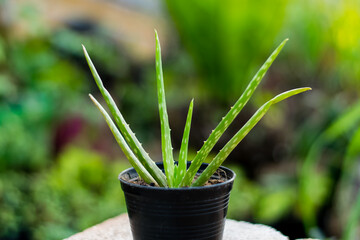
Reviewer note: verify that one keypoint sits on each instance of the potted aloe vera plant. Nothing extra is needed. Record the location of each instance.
(184, 199)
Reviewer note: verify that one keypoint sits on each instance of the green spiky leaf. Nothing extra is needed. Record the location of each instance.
(181, 169)
(236, 139)
(230, 116)
(143, 173)
(166, 145)
(130, 138)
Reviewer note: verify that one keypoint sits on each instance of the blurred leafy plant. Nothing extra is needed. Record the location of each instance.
(31, 102)
(226, 39)
(316, 183)
(62, 201)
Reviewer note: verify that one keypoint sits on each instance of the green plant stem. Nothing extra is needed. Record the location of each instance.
(234, 141)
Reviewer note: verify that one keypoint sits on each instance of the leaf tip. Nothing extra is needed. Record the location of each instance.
(91, 97)
(84, 49)
(306, 89)
(282, 44)
(156, 35)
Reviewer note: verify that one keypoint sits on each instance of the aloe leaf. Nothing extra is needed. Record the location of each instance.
(140, 169)
(133, 142)
(230, 116)
(166, 146)
(236, 139)
(181, 169)
(176, 172)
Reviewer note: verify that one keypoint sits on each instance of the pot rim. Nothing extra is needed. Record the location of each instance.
(182, 189)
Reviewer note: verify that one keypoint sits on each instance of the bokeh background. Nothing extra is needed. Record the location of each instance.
(298, 170)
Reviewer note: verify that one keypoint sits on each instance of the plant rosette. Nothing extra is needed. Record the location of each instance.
(174, 200)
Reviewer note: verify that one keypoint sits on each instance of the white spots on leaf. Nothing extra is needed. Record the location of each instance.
(218, 135)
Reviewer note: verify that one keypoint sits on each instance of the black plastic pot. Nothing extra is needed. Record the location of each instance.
(177, 213)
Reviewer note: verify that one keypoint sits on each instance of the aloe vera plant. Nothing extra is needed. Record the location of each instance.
(176, 175)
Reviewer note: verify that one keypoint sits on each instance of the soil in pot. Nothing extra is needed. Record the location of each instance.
(218, 177)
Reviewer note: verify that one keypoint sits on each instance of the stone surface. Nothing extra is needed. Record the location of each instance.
(114, 228)
(235, 230)
(119, 228)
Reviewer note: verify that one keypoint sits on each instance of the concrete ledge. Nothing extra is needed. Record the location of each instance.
(119, 228)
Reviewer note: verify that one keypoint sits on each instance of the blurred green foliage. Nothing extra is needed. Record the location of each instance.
(81, 187)
(47, 190)
(37, 79)
(329, 169)
(221, 35)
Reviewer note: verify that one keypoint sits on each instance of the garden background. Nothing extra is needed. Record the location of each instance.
(297, 171)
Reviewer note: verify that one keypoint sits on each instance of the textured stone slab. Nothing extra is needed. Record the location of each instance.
(235, 230)
(119, 228)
